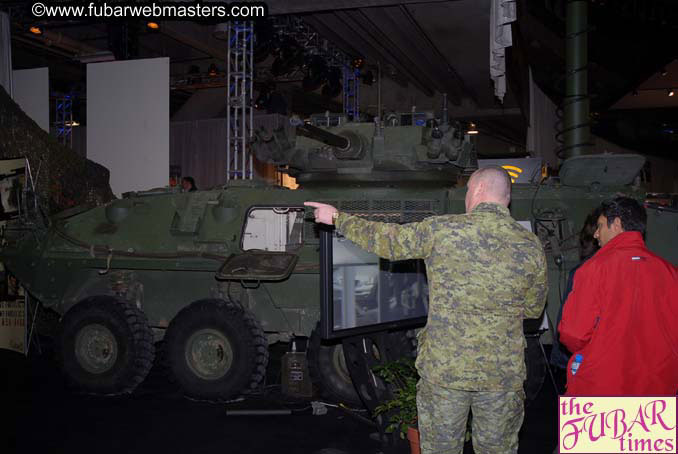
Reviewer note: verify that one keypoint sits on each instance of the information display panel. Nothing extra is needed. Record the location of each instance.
(362, 293)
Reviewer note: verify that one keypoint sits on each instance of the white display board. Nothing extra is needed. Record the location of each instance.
(31, 92)
(128, 122)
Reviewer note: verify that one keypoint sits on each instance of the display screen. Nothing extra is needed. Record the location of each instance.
(363, 293)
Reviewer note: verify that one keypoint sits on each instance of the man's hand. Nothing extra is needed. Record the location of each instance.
(323, 212)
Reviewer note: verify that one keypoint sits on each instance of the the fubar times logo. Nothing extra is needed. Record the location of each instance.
(612, 425)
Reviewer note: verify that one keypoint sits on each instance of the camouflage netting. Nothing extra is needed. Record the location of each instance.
(63, 178)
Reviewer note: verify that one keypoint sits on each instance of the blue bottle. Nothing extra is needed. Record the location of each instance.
(576, 363)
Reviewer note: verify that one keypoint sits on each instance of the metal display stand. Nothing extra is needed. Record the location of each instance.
(63, 123)
(351, 93)
(239, 112)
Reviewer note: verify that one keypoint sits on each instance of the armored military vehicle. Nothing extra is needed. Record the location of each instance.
(221, 274)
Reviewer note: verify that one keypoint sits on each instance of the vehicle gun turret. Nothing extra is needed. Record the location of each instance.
(368, 152)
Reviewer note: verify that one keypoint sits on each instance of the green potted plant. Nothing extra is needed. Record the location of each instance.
(402, 377)
(401, 410)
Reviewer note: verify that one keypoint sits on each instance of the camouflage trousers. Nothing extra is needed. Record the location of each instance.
(443, 412)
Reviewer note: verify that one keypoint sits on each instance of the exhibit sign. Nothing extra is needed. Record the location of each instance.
(13, 324)
(12, 303)
(12, 181)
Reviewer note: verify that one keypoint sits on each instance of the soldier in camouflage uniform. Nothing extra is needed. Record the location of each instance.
(486, 274)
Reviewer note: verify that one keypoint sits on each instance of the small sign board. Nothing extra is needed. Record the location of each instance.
(13, 325)
(13, 317)
(12, 301)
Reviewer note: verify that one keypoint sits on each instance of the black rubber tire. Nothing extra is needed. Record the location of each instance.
(326, 371)
(125, 359)
(331, 376)
(223, 322)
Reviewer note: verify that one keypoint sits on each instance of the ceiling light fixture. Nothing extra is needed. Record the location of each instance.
(472, 130)
(669, 91)
(358, 62)
(36, 30)
(153, 25)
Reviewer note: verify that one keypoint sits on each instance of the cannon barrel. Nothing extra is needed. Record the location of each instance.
(323, 136)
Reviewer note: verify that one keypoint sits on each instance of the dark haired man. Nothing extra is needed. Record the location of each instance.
(486, 273)
(622, 313)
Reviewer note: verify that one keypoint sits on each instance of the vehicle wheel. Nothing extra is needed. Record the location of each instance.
(327, 367)
(105, 346)
(216, 349)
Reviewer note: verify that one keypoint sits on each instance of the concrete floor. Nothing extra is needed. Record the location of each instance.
(46, 418)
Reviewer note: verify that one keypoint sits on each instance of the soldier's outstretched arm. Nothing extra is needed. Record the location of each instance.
(389, 241)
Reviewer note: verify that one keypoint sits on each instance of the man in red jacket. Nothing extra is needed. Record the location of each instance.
(622, 313)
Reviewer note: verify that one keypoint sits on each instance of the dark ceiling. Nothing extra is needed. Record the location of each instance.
(436, 46)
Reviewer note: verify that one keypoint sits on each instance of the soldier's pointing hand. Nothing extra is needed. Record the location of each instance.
(324, 213)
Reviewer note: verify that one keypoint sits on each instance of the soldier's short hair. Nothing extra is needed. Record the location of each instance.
(497, 180)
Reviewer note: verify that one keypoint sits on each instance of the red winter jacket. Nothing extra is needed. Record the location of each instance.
(622, 317)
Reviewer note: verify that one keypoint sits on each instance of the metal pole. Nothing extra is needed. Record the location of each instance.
(379, 91)
(577, 131)
(70, 127)
(236, 95)
(240, 115)
(251, 91)
(356, 94)
(228, 106)
(243, 114)
(6, 64)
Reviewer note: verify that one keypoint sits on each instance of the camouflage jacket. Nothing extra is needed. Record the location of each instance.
(486, 273)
